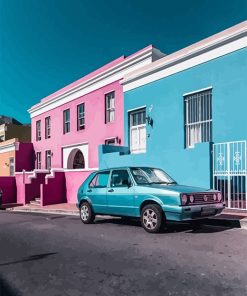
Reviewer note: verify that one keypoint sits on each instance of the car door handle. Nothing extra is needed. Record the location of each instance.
(110, 190)
(89, 190)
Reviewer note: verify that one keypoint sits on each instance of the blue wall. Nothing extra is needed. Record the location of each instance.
(165, 144)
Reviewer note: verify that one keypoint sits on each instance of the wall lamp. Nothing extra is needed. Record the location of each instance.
(150, 121)
(118, 140)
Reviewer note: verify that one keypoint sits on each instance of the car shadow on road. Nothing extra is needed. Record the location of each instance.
(171, 227)
(29, 258)
(6, 289)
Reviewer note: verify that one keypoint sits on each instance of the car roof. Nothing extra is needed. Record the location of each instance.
(126, 167)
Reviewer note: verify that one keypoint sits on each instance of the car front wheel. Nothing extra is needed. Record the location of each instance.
(86, 213)
(152, 218)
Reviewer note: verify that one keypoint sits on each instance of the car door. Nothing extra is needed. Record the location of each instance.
(120, 194)
(97, 190)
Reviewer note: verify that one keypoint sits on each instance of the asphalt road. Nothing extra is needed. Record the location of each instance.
(58, 255)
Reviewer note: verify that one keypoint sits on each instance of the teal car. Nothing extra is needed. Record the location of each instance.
(147, 193)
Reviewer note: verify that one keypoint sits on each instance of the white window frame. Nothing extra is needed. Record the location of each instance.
(38, 130)
(198, 117)
(81, 117)
(66, 121)
(110, 107)
(48, 127)
(38, 158)
(47, 156)
(138, 128)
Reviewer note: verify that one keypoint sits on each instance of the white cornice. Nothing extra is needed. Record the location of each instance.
(9, 147)
(104, 78)
(211, 48)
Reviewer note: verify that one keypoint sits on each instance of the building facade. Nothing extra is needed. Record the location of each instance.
(186, 113)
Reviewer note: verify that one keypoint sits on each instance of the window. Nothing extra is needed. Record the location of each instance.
(48, 127)
(38, 130)
(100, 180)
(80, 117)
(48, 159)
(110, 107)
(12, 166)
(38, 160)
(66, 121)
(198, 118)
(137, 123)
(120, 178)
(111, 141)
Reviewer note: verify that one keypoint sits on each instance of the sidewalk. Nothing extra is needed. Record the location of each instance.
(230, 218)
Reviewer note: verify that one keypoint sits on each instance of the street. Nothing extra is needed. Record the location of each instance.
(58, 255)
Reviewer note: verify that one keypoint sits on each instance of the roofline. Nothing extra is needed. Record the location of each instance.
(123, 64)
(215, 41)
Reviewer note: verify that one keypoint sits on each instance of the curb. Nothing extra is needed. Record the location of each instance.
(223, 222)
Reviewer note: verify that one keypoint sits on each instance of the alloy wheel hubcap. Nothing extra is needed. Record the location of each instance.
(84, 213)
(150, 219)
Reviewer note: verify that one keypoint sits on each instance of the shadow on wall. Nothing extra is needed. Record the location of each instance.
(8, 186)
(6, 289)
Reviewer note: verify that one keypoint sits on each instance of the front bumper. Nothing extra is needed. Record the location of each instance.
(186, 213)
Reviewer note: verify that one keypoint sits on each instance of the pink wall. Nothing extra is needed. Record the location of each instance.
(25, 157)
(54, 191)
(8, 186)
(73, 182)
(95, 132)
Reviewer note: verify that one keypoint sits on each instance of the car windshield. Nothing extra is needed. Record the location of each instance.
(151, 176)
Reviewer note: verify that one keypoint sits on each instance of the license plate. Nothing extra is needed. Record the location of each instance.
(207, 211)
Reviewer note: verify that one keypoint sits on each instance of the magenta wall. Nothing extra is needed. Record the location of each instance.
(54, 191)
(8, 186)
(25, 157)
(73, 182)
(95, 132)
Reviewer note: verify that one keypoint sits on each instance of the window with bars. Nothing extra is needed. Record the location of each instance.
(48, 159)
(12, 166)
(198, 118)
(38, 160)
(80, 117)
(137, 125)
(66, 121)
(110, 107)
(48, 127)
(38, 130)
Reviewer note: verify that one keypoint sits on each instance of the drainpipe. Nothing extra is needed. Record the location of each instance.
(23, 176)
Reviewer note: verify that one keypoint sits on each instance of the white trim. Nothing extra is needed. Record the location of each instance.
(72, 145)
(81, 170)
(197, 91)
(9, 147)
(189, 57)
(104, 78)
(110, 91)
(135, 109)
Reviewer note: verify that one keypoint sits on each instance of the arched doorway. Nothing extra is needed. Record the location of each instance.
(76, 160)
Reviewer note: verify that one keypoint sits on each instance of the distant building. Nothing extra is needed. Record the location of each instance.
(16, 151)
(11, 128)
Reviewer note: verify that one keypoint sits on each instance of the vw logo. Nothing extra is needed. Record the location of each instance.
(205, 198)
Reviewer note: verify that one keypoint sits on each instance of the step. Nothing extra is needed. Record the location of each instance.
(34, 203)
(37, 199)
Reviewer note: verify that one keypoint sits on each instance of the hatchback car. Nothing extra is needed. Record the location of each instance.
(147, 193)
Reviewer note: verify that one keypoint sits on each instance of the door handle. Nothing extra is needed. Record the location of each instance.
(110, 190)
(89, 190)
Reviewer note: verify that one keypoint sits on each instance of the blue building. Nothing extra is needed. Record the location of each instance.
(187, 113)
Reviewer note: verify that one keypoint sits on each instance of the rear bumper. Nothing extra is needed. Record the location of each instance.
(178, 213)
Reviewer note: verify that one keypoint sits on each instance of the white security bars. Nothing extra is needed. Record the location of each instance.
(230, 174)
(198, 118)
(137, 120)
(110, 107)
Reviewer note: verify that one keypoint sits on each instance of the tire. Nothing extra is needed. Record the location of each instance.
(152, 218)
(86, 213)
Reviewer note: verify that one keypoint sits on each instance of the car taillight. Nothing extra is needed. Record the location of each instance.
(219, 196)
(184, 199)
(192, 198)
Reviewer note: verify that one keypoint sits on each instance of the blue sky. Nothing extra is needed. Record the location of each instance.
(46, 44)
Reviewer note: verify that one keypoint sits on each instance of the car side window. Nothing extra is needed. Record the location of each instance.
(100, 180)
(120, 178)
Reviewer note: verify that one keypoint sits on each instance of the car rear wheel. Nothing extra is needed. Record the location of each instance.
(86, 213)
(152, 218)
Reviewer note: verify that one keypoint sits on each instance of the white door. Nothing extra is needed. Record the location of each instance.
(138, 131)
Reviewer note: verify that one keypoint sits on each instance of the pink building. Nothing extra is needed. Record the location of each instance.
(70, 124)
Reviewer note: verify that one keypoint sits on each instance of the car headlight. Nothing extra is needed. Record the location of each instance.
(215, 197)
(219, 196)
(184, 199)
(192, 198)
